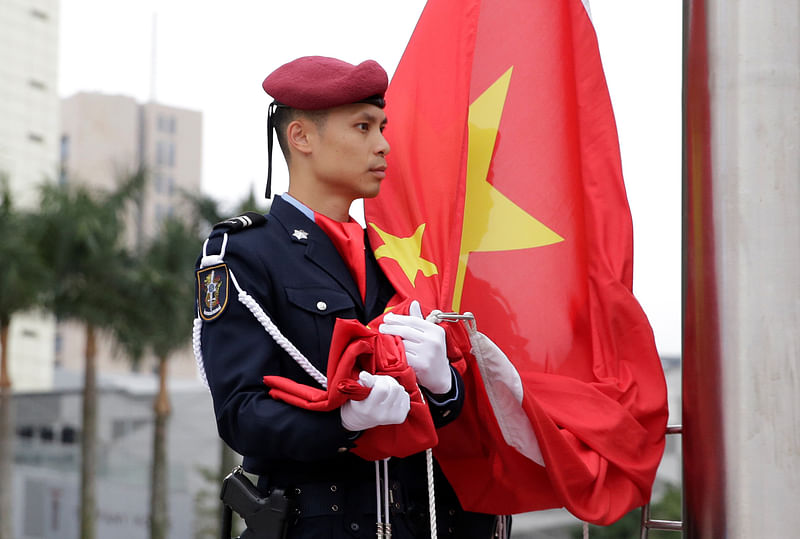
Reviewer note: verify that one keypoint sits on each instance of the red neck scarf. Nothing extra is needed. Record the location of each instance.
(348, 238)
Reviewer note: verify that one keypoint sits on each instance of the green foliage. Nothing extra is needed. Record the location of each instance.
(159, 296)
(208, 211)
(79, 234)
(250, 203)
(629, 526)
(22, 273)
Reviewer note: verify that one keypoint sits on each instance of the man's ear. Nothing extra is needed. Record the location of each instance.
(299, 135)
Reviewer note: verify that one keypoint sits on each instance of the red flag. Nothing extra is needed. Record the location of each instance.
(504, 197)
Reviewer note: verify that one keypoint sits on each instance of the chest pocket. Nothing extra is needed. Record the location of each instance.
(319, 307)
(321, 301)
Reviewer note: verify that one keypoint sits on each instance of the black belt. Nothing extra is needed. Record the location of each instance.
(337, 498)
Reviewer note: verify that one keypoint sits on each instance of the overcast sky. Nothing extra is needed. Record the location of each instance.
(212, 57)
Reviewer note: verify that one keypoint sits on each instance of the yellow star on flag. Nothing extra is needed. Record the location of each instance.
(492, 222)
(406, 251)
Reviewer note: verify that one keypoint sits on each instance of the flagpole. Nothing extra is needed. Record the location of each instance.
(741, 442)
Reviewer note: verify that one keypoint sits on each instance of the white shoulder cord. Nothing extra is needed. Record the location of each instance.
(383, 524)
(276, 334)
(431, 493)
(259, 315)
(198, 353)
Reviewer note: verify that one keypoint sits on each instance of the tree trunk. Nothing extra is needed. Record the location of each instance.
(159, 511)
(89, 438)
(6, 439)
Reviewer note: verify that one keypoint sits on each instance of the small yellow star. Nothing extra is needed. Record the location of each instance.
(406, 251)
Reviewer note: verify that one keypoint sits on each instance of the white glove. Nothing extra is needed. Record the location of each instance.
(426, 349)
(387, 404)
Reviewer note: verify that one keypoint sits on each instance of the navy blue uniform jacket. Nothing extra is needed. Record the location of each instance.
(291, 268)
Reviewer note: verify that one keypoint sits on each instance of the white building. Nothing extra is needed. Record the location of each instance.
(105, 137)
(29, 104)
(29, 152)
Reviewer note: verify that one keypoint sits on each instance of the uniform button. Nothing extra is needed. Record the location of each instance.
(334, 507)
(321, 305)
(342, 449)
(333, 488)
(354, 526)
(452, 512)
(298, 491)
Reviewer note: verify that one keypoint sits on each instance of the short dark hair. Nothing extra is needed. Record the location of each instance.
(283, 116)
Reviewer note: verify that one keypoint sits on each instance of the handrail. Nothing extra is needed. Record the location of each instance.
(647, 523)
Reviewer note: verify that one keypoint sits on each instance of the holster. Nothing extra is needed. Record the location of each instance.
(265, 517)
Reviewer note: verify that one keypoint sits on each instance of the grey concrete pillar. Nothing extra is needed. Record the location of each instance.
(741, 347)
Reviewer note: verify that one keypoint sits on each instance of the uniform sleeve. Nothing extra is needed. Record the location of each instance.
(237, 353)
(445, 408)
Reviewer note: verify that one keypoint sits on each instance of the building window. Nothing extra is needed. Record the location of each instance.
(35, 137)
(64, 147)
(46, 433)
(165, 124)
(159, 183)
(39, 14)
(170, 185)
(165, 153)
(69, 435)
(39, 85)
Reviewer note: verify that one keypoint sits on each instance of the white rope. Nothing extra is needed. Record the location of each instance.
(436, 317)
(501, 527)
(431, 492)
(196, 348)
(209, 260)
(379, 508)
(585, 530)
(276, 334)
(387, 524)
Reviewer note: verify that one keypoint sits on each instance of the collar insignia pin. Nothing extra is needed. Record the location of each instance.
(300, 234)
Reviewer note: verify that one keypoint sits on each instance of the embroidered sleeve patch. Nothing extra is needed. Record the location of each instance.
(212, 291)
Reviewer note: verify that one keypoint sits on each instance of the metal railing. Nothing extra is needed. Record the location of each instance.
(648, 523)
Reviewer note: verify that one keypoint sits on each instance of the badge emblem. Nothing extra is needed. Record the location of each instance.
(212, 291)
(300, 234)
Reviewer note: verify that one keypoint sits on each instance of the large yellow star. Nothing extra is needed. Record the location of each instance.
(406, 251)
(492, 222)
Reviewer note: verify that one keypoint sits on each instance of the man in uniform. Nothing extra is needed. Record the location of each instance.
(307, 264)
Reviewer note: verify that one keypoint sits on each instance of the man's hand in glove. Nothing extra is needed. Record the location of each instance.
(426, 349)
(387, 404)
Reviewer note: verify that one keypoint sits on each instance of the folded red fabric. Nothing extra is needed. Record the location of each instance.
(354, 348)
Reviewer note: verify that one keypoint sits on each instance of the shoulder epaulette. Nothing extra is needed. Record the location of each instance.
(246, 220)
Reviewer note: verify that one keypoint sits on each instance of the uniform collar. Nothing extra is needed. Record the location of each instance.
(305, 210)
(319, 248)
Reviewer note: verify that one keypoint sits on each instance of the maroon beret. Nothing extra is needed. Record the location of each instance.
(318, 82)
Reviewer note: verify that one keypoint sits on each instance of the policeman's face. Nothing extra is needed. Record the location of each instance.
(349, 154)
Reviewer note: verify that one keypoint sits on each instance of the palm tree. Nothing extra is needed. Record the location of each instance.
(79, 234)
(159, 320)
(169, 257)
(20, 279)
(207, 212)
